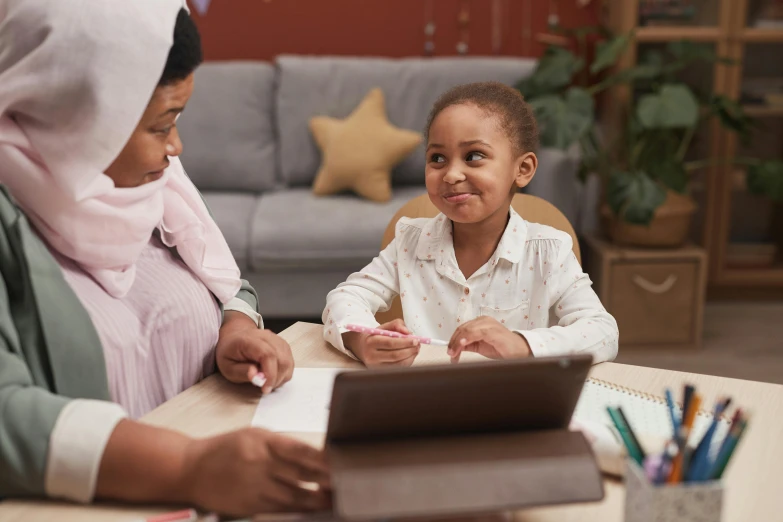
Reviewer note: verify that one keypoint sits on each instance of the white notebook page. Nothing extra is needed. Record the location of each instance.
(648, 415)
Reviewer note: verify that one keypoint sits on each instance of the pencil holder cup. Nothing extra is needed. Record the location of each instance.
(687, 502)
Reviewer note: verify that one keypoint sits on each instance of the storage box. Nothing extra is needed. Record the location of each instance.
(656, 295)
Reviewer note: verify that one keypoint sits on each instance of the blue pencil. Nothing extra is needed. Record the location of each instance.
(700, 460)
(672, 414)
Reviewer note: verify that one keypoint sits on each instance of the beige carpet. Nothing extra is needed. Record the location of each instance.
(741, 340)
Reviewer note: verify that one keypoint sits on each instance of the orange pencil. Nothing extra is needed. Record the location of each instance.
(688, 417)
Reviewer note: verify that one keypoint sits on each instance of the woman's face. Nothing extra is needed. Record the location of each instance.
(145, 156)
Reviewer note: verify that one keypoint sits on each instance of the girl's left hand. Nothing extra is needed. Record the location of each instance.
(243, 350)
(486, 336)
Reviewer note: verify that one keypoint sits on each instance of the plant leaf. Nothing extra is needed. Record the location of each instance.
(673, 106)
(563, 120)
(766, 179)
(632, 74)
(689, 51)
(634, 196)
(608, 51)
(653, 57)
(732, 116)
(591, 155)
(555, 71)
(646, 71)
(686, 52)
(672, 174)
(657, 157)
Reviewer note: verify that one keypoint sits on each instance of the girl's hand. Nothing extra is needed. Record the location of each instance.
(486, 336)
(243, 350)
(378, 350)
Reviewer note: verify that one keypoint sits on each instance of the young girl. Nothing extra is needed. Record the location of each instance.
(477, 274)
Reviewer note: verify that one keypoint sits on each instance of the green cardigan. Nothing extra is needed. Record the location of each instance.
(50, 352)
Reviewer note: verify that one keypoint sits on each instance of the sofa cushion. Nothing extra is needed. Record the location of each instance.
(294, 228)
(311, 86)
(227, 130)
(360, 151)
(233, 214)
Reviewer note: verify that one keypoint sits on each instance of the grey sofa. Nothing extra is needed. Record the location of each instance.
(248, 148)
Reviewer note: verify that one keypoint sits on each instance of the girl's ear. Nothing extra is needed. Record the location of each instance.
(525, 168)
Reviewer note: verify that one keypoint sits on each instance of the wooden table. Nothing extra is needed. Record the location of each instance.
(753, 480)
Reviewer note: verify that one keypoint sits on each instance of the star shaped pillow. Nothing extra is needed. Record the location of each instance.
(359, 152)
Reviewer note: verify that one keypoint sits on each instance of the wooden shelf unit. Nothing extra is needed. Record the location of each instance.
(762, 111)
(667, 34)
(759, 35)
(730, 35)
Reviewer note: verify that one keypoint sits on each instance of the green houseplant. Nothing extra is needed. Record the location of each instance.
(644, 168)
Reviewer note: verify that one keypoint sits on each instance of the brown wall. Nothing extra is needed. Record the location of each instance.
(262, 29)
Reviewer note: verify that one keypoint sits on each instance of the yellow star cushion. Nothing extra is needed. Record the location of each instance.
(360, 151)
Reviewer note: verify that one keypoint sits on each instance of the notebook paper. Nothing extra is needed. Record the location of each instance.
(647, 414)
(300, 405)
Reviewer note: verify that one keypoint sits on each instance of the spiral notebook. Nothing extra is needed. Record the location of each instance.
(647, 414)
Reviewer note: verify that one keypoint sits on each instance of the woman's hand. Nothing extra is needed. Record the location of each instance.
(254, 471)
(239, 473)
(378, 350)
(243, 350)
(486, 336)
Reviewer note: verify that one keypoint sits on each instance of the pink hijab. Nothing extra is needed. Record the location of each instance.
(75, 78)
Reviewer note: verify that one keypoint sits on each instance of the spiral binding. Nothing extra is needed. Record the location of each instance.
(648, 396)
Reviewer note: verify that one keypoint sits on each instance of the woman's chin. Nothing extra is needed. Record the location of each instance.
(155, 176)
(151, 177)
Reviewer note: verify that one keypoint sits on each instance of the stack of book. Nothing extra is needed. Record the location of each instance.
(763, 91)
(770, 15)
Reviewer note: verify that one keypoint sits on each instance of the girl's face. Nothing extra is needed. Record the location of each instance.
(472, 168)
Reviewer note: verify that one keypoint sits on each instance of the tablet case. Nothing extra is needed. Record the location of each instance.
(459, 439)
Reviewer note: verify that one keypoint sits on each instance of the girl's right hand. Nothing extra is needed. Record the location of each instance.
(379, 350)
(486, 336)
(253, 471)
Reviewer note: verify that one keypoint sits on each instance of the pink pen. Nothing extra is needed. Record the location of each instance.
(186, 515)
(388, 333)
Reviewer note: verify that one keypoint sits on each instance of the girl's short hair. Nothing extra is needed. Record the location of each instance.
(515, 115)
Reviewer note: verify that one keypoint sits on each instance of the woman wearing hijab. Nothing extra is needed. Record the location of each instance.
(118, 290)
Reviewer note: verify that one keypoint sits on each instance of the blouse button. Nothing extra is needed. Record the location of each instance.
(467, 291)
